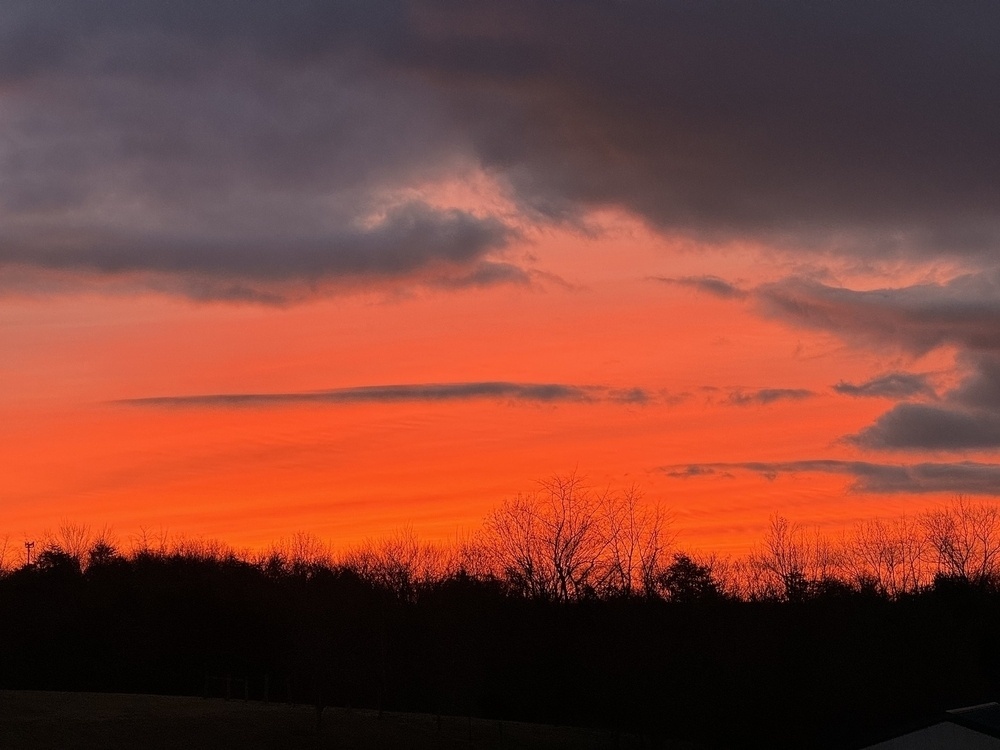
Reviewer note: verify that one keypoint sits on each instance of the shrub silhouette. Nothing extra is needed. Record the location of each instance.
(686, 581)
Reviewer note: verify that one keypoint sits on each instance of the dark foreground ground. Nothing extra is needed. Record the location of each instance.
(36, 720)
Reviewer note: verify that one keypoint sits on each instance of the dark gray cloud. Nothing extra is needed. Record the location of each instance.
(247, 143)
(764, 396)
(966, 477)
(239, 148)
(980, 388)
(842, 124)
(919, 427)
(964, 311)
(428, 392)
(406, 239)
(708, 284)
(895, 385)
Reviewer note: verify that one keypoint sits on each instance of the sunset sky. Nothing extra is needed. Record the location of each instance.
(344, 267)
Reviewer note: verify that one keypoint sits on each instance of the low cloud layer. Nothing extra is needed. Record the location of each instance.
(238, 145)
(964, 477)
(418, 392)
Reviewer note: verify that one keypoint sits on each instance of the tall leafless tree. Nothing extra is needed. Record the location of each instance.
(890, 556)
(791, 562)
(638, 537)
(566, 541)
(965, 540)
(4, 550)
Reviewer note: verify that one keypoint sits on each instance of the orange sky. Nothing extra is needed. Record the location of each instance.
(252, 474)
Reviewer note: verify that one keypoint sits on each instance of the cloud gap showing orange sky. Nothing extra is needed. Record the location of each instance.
(351, 267)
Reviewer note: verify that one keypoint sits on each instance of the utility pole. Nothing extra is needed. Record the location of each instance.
(28, 546)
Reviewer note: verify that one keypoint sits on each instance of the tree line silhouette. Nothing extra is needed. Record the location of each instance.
(568, 606)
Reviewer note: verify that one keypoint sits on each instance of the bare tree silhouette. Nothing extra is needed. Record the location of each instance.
(890, 557)
(4, 551)
(399, 562)
(567, 542)
(965, 540)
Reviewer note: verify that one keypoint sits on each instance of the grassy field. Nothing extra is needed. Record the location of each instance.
(107, 721)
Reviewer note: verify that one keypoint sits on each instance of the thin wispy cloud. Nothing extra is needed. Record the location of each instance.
(416, 392)
(765, 396)
(691, 470)
(966, 477)
(963, 312)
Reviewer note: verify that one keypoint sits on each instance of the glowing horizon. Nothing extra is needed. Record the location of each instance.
(269, 429)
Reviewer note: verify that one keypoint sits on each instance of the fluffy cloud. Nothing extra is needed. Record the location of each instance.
(238, 147)
(242, 144)
(841, 125)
